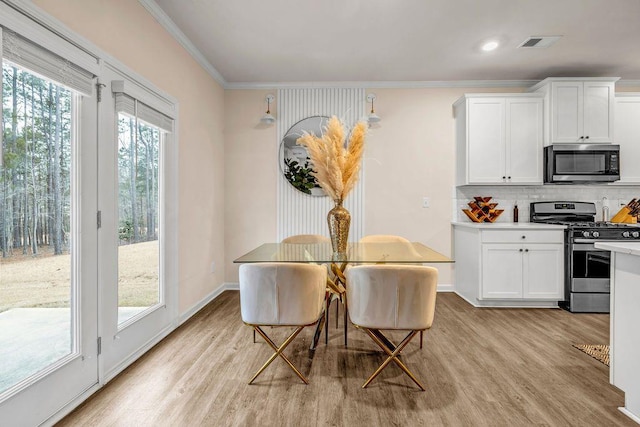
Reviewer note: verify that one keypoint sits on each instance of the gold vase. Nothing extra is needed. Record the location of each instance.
(339, 220)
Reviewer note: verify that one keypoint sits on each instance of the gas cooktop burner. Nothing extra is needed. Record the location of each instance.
(579, 217)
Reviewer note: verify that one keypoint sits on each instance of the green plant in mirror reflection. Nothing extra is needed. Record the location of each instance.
(300, 175)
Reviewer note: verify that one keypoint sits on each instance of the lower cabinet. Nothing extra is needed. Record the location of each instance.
(509, 266)
(531, 271)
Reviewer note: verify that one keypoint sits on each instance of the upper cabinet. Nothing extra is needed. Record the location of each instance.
(499, 139)
(628, 136)
(578, 110)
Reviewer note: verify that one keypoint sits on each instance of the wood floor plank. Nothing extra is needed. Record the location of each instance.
(481, 367)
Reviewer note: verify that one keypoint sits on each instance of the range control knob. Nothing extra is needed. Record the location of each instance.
(596, 234)
(626, 234)
(585, 234)
(635, 234)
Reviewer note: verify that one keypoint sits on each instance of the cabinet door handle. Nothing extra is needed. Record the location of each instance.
(504, 177)
(509, 177)
(586, 137)
(520, 249)
(526, 250)
(524, 237)
(582, 137)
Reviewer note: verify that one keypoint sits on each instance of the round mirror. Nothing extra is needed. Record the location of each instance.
(294, 159)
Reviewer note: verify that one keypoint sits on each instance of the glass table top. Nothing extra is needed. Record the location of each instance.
(395, 253)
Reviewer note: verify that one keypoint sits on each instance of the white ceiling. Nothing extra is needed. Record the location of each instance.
(322, 41)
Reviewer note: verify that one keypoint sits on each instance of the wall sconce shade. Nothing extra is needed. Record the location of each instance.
(268, 118)
(372, 117)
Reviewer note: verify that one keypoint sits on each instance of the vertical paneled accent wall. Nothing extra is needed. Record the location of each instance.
(299, 213)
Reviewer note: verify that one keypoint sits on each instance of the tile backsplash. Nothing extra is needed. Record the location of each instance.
(507, 196)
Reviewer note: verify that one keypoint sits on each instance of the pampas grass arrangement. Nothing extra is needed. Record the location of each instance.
(334, 166)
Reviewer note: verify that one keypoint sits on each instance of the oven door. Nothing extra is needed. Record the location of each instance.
(590, 268)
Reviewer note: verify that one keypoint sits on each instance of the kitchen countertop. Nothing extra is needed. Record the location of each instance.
(631, 248)
(509, 225)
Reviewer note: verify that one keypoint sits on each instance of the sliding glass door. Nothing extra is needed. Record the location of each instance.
(48, 235)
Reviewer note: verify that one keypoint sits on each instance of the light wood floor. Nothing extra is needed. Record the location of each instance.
(481, 367)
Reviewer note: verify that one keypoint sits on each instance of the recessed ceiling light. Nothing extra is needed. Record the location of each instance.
(489, 46)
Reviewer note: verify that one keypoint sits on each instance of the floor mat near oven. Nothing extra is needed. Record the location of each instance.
(599, 352)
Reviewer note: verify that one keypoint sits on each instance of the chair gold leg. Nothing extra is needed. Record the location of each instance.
(327, 304)
(393, 356)
(278, 352)
(346, 313)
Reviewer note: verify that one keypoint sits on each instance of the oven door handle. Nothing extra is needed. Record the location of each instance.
(583, 245)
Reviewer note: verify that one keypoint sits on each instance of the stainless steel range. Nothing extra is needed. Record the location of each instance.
(587, 269)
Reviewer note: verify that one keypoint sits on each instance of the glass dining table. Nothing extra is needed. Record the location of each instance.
(357, 253)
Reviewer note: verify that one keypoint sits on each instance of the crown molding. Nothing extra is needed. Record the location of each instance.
(385, 84)
(628, 83)
(402, 84)
(166, 22)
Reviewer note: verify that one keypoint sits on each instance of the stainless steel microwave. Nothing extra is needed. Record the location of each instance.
(581, 163)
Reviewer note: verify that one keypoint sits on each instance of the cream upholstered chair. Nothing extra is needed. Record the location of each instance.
(281, 294)
(301, 239)
(391, 297)
(306, 238)
(389, 238)
(317, 238)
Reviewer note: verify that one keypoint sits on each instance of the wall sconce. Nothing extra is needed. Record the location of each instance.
(268, 117)
(372, 117)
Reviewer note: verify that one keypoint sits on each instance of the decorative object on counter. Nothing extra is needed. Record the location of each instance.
(515, 212)
(336, 169)
(629, 213)
(482, 210)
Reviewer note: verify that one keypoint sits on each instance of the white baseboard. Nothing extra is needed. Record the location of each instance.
(629, 414)
(509, 303)
(206, 300)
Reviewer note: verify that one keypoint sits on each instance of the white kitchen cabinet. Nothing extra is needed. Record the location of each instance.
(578, 110)
(628, 136)
(519, 266)
(543, 271)
(499, 139)
(502, 268)
(529, 271)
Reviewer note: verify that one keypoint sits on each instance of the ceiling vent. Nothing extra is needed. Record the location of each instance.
(539, 41)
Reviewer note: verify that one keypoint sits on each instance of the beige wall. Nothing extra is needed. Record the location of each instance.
(126, 31)
(410, 155)
(251, 159)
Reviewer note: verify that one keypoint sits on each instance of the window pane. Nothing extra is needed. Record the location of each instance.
(35, 225)
(138, 249)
